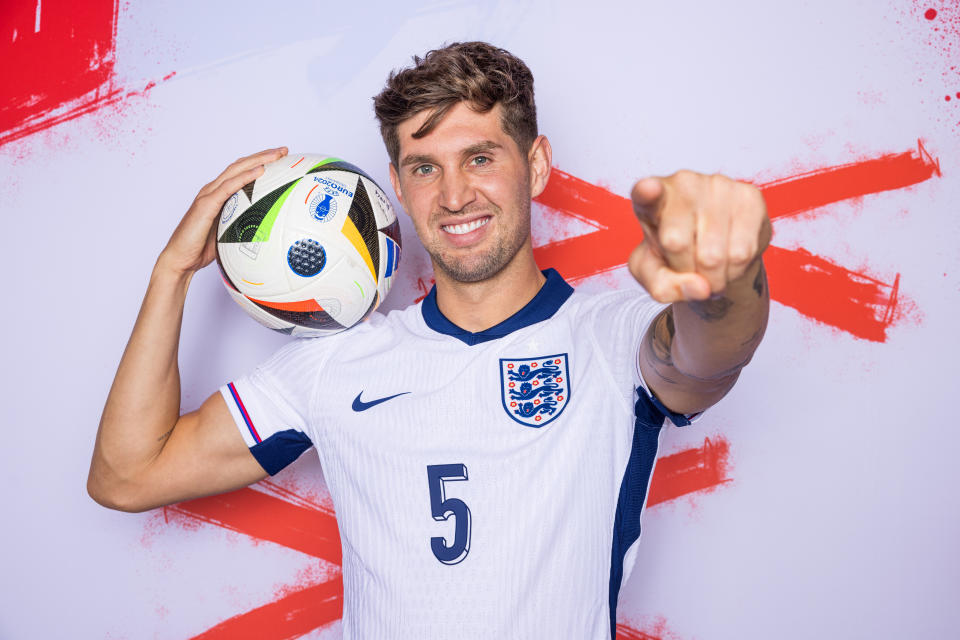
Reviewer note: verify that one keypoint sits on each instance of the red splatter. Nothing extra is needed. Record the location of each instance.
(930, 14)
(947, 98)
(690, 471)
(652, 629)
(847, 300)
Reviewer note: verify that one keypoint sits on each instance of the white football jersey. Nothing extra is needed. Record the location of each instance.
(486, 485)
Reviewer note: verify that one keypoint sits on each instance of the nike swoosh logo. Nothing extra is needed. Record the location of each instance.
(360, 405)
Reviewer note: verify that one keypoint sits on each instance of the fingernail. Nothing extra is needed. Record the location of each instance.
(688, 291)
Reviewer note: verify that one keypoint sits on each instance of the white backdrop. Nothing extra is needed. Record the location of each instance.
(816, 501)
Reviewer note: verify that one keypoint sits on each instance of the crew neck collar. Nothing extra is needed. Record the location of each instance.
(548, 300)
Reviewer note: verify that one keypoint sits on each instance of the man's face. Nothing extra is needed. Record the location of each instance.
(467, 188)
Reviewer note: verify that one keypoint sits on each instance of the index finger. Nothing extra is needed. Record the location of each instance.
(648, 196)
(244, 164)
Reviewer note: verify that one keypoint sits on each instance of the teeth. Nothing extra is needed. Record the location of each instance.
(467, 227)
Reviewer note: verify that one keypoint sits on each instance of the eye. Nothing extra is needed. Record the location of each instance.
(423, 170)
(480, 161)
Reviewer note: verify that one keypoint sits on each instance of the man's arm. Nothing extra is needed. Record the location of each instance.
(704, 237)
(146, 454)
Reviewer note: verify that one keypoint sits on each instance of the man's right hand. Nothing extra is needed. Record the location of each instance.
(193, 244)
(146, 453)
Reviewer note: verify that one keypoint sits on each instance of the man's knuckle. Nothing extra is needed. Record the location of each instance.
(709, 257)
(674, 240)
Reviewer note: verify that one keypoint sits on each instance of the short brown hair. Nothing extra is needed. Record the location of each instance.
(473, 72)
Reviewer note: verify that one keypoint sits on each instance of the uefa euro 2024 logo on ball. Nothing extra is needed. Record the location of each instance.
(324, 204)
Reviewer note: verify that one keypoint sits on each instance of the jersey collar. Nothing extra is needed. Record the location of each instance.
(551, 296)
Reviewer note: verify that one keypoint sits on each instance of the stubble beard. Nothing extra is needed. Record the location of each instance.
(481, 267)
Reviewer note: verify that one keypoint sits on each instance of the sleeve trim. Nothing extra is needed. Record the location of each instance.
(243, 412)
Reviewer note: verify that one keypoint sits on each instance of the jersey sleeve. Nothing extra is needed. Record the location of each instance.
(271, 405)
(619, 321)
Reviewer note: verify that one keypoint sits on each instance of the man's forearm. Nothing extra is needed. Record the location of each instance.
(144, 401)
(716, 338)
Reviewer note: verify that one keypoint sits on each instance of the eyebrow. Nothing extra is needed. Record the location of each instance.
(480, 147)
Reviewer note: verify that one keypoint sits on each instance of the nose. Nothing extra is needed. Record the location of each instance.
(456, 191)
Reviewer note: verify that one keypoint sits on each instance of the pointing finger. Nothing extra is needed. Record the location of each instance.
(648, 196)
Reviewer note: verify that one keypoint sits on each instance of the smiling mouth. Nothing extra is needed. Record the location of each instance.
(466, 227)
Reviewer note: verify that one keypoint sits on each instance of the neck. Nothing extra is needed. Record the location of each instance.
(476, 306)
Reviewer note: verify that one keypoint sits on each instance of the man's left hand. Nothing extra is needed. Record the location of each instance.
(701, 232)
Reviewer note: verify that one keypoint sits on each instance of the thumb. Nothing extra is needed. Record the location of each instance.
(663, 283)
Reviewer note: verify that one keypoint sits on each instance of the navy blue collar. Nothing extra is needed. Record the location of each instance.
(551, 296)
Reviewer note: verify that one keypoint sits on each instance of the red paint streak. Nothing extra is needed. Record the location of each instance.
(79, 108)
(861, 305)
(310, 529)
(858, 303)
(296, 163)
(70, 58)
(796, 194)
(689, 471)
(61, 72)
(629, 633)
(930, 14)
(311, 191)
(289, 617)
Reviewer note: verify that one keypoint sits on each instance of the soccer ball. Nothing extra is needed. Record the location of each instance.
(310, 247)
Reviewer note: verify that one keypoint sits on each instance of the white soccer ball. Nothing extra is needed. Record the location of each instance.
(310, 247)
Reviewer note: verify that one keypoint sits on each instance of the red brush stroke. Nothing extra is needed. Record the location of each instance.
(70, 58)
(310, 529)
(812, 285)
(796, 194)
(289, 617)
(848, 300)
(690, 471)
(61, 71)
(625, 632)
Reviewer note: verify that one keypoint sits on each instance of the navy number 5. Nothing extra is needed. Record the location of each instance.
(443, 507)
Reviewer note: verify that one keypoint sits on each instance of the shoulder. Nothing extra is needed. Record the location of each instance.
(609, 305)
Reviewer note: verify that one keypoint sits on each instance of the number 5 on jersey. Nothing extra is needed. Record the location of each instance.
(443, 507)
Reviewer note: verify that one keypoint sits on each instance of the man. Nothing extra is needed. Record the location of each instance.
(488, 450)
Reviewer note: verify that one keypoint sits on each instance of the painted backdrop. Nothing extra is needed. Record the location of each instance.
(816, 501)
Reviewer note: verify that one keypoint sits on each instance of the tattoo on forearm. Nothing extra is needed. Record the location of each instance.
(712, 308)
(760, 281)
(165, 436)
(660, 345)
(720, 375)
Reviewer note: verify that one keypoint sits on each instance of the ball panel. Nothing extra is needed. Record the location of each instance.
(315, 318)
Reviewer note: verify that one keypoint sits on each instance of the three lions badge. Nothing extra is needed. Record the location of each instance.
(534, 390)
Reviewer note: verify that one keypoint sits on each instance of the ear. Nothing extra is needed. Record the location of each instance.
(540, 159)
(395, 181)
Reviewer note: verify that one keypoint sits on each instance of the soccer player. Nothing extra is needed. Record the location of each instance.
(488, 450)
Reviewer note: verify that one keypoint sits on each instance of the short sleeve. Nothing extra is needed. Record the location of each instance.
(271, 405)
(619, 320)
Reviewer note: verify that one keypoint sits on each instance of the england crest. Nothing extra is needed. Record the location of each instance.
(534, 390)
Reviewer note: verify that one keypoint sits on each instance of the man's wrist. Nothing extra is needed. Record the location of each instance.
(165, 271)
